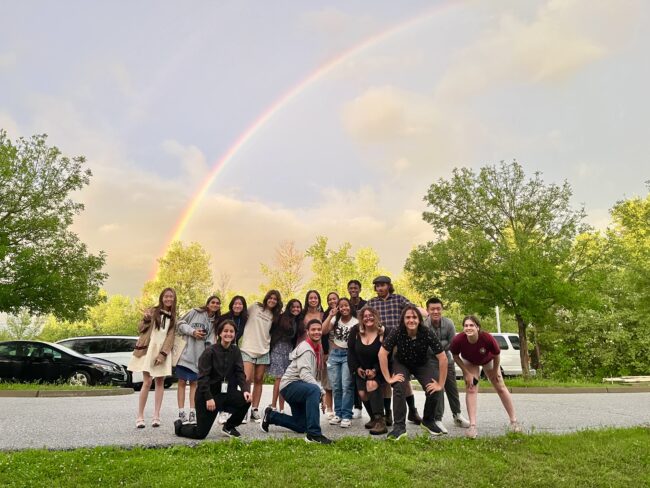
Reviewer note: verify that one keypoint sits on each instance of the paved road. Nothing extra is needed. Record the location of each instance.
(62, 423)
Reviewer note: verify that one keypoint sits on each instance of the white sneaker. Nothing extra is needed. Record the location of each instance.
(335, 420)
(329, 414)
(182, 416)
(345, 423)
(245, 419)
(356, 413)
(255, 415)
(223, 417)
(441, 426)
(192, 417)
(461, 421)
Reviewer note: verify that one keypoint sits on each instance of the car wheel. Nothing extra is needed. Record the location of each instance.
(80, 378)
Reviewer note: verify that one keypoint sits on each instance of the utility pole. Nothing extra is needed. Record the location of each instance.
(498, 319)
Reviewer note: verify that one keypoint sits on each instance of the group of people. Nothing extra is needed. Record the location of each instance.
(329, 360)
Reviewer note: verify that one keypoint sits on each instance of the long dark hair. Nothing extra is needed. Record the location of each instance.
(278, 306)
(402, 325)
(157, 310)
(244, 312)
(204, 308)
(306, 306)
(337, 317)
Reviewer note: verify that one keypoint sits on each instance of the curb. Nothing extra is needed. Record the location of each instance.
(65, 393)
(557, 390)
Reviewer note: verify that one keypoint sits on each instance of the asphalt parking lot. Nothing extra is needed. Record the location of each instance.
(64, 423)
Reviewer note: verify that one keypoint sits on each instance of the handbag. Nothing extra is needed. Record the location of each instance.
(177, 349)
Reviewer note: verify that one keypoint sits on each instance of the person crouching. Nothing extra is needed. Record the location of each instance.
(219, 365)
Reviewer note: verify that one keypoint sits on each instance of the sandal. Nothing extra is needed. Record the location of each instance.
(139, 424)
(155, 422)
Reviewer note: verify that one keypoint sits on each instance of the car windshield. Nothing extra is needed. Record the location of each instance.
(66, 350)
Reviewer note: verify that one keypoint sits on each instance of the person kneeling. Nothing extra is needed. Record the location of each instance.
(219, 365)
(300, 388)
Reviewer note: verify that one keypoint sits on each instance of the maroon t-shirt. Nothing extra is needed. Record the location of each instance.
(480, 353)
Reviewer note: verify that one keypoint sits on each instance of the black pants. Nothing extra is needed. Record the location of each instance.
(232, 402)
(424, 374)
(451, 389)
(375, 398)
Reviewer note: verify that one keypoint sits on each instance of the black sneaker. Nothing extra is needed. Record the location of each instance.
(396, 434)
(431, 428)
(178, 424)
(264, 425)
(319, 439)
(414, 417)
(231, 431)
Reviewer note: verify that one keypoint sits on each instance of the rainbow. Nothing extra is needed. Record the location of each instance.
(282, 102)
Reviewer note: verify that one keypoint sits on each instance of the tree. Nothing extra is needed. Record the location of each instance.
(333, 268)
(23, 325)
(503, 239)
(285, 275)
(44, 268)
(186, 270)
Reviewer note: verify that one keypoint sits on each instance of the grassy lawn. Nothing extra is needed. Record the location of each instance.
(520, 382)
(590, 458)
(5, 385)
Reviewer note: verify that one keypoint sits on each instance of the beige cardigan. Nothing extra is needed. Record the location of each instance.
(145, 327)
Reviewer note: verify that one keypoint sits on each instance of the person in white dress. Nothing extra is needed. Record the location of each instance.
(152, 354)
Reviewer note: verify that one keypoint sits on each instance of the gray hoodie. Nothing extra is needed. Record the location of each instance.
(192, 320)
(303, 367)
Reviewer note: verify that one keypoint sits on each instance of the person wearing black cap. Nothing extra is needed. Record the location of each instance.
(390, 306)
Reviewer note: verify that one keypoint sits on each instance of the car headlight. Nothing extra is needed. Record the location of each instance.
(109, 369)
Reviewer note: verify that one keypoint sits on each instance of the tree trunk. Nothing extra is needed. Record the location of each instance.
(523, 350)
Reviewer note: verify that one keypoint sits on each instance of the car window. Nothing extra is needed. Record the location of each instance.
(35, 350)
(124, 345)
(73, 344)
(514, 340)
(8, 349)
(502, 342)
(50, 352)
(96, 346)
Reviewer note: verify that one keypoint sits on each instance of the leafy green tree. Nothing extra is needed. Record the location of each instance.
(44, 267)
(187, 270)
(23, 325)
(285, 274)
(504, 239)
(333, 268)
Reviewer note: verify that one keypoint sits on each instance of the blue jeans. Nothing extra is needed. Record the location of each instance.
(341, 381)
(304, 399)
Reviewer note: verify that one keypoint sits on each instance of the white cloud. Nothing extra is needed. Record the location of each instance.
(562, 38)
(192, 158)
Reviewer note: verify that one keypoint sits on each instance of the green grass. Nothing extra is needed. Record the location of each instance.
(7, 385)
(589, 458)
(520, 382)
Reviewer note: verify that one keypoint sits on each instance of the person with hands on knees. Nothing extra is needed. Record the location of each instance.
(412, 341)
(473, 349)
(220, 368)
(197, 326)
(301, 389)
(152, 354)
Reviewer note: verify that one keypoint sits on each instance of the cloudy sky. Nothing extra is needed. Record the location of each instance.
(335, 116)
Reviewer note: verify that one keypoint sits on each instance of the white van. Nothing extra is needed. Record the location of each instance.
(118, 349)
(510, 361)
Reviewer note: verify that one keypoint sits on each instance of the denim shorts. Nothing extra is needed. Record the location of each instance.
(183, 373)
(263, 359)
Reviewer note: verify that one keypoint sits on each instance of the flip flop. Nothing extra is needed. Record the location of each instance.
(139, 424)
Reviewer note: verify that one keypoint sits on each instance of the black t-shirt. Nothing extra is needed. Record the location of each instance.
(413, 352)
